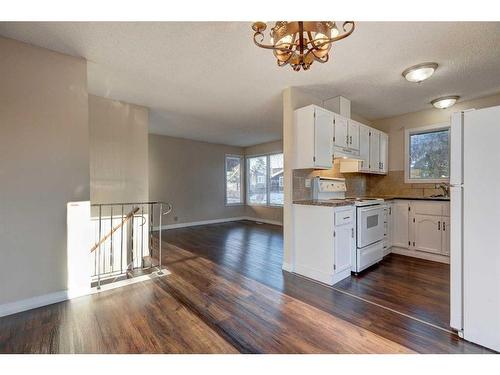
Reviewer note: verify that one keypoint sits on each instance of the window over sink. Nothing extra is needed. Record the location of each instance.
(427, 154)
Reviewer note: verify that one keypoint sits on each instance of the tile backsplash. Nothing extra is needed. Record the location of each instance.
(356, 183)
(394, 184)
(359, 185)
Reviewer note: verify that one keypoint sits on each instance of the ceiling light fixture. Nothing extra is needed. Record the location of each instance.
(300, 43)
(420, 72)
(445, 101)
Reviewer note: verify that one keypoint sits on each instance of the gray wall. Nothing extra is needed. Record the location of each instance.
(272, 214)
(190, 175)
(44, 163)
(118, 151)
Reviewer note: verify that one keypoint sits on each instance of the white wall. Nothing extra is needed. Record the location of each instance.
(395, 126)
(118, 151)
(44, 163)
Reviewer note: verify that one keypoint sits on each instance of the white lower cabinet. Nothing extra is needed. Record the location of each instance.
(421, 228)
(344, 240)
(388, 223)
(324, 239)
(426, 233)
(400, 225)
(445, 247)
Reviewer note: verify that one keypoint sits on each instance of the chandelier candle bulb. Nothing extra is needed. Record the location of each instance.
(300, 43)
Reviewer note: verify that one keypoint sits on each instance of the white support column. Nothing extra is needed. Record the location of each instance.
(293, 98)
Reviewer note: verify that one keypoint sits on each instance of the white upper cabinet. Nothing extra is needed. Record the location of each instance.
(384, 151)
(341, 129)
(354, 134)
(323, 138)
(364, 148)
(320, 135)
(313, 138)
(374, 151)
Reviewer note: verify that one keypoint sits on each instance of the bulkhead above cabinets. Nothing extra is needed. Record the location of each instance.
(321, 135)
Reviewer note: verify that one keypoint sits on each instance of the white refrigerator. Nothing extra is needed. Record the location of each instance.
(475, 226)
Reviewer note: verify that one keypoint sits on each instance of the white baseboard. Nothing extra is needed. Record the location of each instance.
(420, 255)
(51, 298)
(266, 221)
(32, 303)
(216, 221)
(287, 267)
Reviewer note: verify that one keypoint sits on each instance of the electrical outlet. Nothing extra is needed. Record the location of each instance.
(308, 182)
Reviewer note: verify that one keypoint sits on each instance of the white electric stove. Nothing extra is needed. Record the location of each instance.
(370, 226)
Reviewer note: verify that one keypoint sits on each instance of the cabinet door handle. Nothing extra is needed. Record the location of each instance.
(347, 139)
(439, 225)
(350, 139)
(352, 232)
(444, 226)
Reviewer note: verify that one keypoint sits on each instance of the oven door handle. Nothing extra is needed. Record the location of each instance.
(369, 209)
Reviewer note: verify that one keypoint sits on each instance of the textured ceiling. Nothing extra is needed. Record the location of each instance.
(207, 81)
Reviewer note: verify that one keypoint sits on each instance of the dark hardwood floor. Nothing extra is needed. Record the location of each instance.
(226, 294)
(416, 287)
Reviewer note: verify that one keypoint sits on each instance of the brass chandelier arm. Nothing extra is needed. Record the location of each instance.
(268, 46)
(300, 43)
(309, 42)
(338, 37)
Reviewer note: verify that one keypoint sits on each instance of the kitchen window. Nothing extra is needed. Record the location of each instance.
(265, 180)
(234, 179)
(427, 154)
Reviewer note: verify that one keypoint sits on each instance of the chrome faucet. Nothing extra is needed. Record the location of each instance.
(444, 187)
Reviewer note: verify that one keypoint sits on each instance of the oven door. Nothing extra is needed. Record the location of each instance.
(370, 223)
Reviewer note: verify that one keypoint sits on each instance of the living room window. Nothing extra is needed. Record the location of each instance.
(265, 180)
(427, 154)
(234, 179)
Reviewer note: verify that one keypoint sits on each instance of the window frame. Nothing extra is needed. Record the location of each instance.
(242, 180)
(268, 179)
(422, 130)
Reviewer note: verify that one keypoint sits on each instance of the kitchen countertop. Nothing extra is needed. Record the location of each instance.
(326, 203)
(393, 197)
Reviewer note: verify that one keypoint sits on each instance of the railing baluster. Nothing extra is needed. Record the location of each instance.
(150, 225)
(99, 252)
(142, 236)
(121, 244)
(160, 272)
(132, 247)
(111, 260)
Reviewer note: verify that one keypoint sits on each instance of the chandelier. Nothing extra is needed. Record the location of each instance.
(300, 43)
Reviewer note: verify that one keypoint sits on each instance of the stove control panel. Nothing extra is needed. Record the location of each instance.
(331, 186)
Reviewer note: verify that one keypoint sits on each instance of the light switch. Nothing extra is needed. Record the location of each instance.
(308, 182)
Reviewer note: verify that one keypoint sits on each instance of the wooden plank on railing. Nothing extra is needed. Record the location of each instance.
(113, 230)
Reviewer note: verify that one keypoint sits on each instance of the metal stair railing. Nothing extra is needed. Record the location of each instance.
(133, 241)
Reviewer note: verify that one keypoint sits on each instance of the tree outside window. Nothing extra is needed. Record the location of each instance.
(427, 154)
